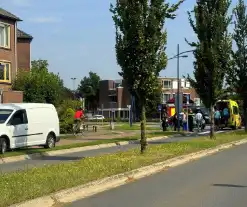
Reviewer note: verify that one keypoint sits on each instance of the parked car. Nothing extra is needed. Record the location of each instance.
(28, 124)
(98, 117)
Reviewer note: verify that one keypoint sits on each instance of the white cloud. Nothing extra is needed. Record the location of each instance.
(45, 20)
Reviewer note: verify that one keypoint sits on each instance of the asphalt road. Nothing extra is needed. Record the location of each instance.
(214, 181)
(47, 160)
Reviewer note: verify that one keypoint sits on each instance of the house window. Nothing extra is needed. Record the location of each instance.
(4, 71)
(167, 84)
(166, 97)
(187, 84)
(4, 35)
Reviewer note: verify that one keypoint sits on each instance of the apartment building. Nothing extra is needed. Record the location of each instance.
(14, 54)
(170, 86)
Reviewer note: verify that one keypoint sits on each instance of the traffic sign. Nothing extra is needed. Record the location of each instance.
(159, 107)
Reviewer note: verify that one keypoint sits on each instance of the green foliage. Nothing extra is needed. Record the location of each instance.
(39, 85)
(66, 113)
(154, 100)
(140, 43)
(237, 76)
(212, 50)
(89, 89)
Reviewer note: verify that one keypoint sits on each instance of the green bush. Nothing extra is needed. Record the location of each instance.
(66, 121)
(66, 113)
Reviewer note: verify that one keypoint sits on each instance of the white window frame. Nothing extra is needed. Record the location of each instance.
(170, 83)
(163, 97)
(6, 40)
(5, 71)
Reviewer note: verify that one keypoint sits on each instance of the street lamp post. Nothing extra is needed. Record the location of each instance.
(73, 80)
(178, 89)
(178, 56)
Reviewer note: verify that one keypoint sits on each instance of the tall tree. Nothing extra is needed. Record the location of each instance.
(89, 89)
(212, 50)
(140, 44)
(237, 76)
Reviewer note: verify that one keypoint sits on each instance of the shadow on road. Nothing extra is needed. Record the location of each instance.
(230, 185)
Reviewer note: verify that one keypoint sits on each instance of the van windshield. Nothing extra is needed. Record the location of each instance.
(4, 115)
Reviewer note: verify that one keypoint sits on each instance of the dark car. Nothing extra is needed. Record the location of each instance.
(205, 113)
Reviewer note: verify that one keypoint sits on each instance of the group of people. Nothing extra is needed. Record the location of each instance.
(220, 115)
(188, 117)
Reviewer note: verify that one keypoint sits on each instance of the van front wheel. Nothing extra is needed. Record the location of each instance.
(3, 145)
(50, 142)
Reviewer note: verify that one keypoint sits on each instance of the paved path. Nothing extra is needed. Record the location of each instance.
(214, 181)
(46, 160)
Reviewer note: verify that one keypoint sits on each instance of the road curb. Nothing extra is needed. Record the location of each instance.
(4, 160)
(83, 191)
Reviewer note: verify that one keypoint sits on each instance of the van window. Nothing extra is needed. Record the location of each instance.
(235, 110)
(4, 115)
(20, 117)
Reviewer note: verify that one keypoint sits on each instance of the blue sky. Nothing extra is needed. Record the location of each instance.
(77, 36)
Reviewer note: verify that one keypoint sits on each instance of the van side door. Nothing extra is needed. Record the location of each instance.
(18, 128)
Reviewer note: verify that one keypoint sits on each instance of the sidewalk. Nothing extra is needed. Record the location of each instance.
(97, 136)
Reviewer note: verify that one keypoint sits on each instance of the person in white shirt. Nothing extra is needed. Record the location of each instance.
(199, 119)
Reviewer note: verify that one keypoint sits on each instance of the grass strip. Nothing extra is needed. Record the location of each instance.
(24, 151)
(134, 127)
(20, 186)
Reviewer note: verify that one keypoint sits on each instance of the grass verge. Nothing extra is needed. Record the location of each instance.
(24, 151)
(20, 186)
(134, 127)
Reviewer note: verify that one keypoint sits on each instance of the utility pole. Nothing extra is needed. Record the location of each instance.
(178, 89)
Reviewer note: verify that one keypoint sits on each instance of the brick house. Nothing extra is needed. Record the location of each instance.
(114, 97)
(14, 54)
(170, 86)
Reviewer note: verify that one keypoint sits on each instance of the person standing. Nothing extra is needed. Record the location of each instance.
(199, 118)
(226, 115)
(185, 121)
(175, 121)
(190, 121)
(217, 118)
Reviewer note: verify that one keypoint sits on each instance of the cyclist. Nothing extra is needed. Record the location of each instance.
(77, 120)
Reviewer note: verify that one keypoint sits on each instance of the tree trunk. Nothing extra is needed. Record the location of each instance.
(143, 128)
(212, 136)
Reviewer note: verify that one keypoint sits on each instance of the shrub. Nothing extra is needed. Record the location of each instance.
(66, 113)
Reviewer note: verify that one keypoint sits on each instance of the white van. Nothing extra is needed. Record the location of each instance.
(28, 124)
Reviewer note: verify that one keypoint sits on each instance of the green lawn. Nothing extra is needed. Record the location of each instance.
(24, 151)
(20, 186)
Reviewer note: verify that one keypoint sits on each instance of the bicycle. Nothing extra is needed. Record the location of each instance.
(78, 127)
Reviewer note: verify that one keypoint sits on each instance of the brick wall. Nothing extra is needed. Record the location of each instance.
(12, 97)
(23, 49)
(9, 54)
